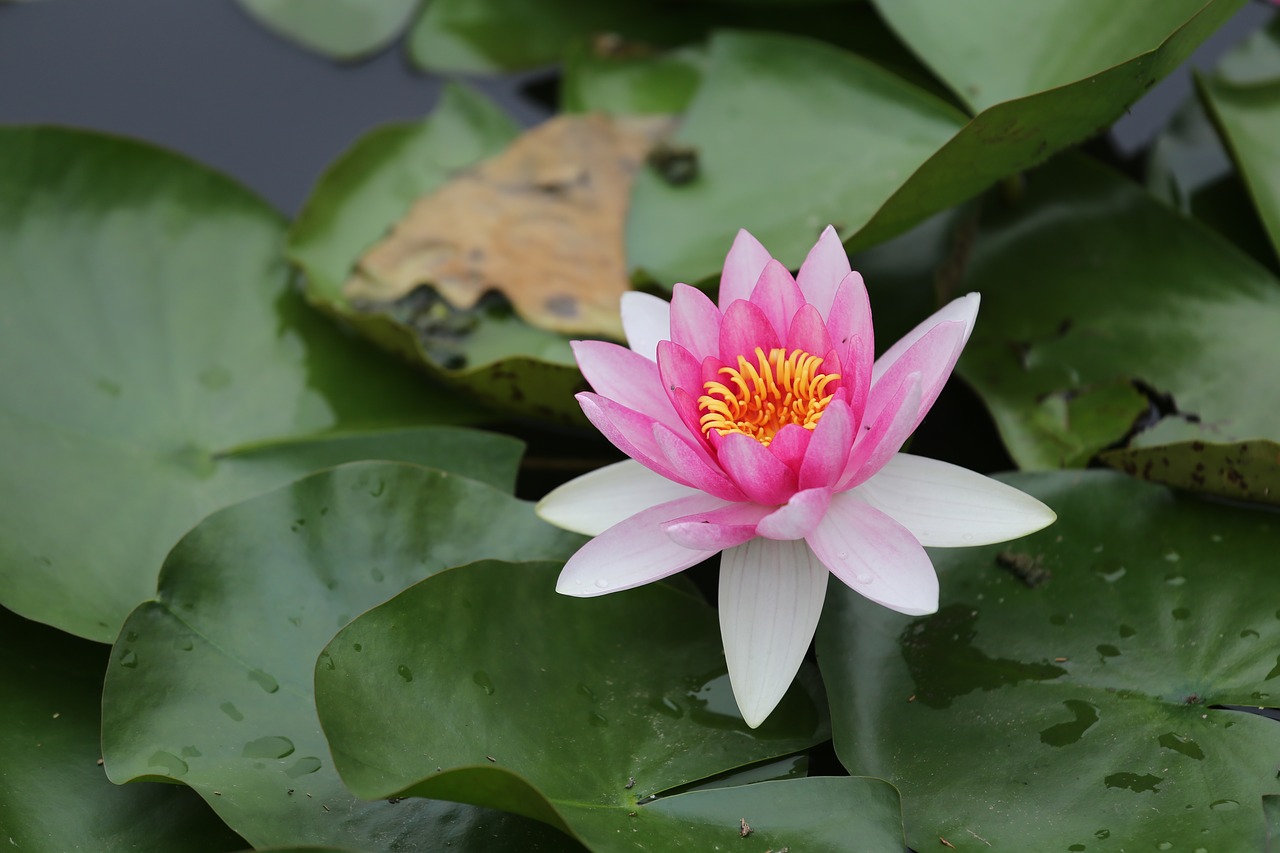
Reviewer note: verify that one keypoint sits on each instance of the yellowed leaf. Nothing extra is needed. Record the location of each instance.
(542, 223)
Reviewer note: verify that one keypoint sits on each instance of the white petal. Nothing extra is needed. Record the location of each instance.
(944, 505)
(961, 310)
(635, 551)
(771, 596)
(594, 502)
(875, 556)
(646, 319)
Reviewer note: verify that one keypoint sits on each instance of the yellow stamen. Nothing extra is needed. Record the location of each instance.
(760, 399)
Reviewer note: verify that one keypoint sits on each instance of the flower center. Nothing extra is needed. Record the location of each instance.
(760, 399)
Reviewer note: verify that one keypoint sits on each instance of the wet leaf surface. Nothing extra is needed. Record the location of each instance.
(1125, 291)
(54, 794)
(1081, 711)
(1247, 470)
(152, 344)
(210, 685)
(572, 711)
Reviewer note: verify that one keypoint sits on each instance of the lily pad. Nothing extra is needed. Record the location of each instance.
(642, 83)
(1124, 290)
(1247, 470)
(488, 352)
(210, 685)
(341, 29)
(1085, 710)
(1001, 50)
(1244, 98)
(1010, 136)
(152, 344)
(502, 693)
(842, 134)
(54, 794)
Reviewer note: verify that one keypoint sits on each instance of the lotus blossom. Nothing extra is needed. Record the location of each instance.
(764, 429)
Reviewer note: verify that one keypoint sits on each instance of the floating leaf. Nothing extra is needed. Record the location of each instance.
(1094, 695)
(210, 685)
(540, 224)
(1247, 470)
(630, 83)
(151, 344)
(459, 688)
(841, 135)
(342, 29)
(490, 353)
(54, 794)
(1244, 98)
(1002, 50)
(1125, 291)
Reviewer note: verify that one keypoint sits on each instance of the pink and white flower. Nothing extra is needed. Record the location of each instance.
(764, 429)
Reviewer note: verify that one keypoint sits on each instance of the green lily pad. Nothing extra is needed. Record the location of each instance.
(483, 685)
(1271, 808)
(1001, 50)
(1125, 291)
(1247, 470)
(493, 356)
(1244, 98)
(1011, 136)
(210, 685)
(54, 795)
(152, 344)
(829, 113)
(341, 29)
(662, 83)
(1081, 713)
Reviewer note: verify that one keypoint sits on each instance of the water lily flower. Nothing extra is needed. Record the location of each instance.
(764, 429)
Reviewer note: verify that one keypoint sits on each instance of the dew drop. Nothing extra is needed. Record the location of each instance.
(185, 644)
(1127, 631)
(1076, 848)
(129, 659)
(863, 579)
(1224, 805)
(597, 720)
(841, 555)
(601, 583)
(1249, 633)
(670, 707)
(272, 746)
(303, 766)
(404, 672)
(481, 678)
(231, 711)
(1107, 650)
(191, 752)
(1110, 571)
(378, 489)
(266, 682)
(1102, 834)
(1175, 580)
(1172, 556)
(586, 691)
(357, 647)
(1165, 845)
(376, 574)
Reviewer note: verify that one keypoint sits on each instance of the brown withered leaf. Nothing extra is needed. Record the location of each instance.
(542, 223)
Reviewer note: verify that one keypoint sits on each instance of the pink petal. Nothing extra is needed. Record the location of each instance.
(849, 325)
(879, 439)
(790, 444)
(777, 296)
(874, 555)
(625, 377)
(744, 329)
(695, 321)
(718, 529)
(681, 377)
(629, 431)
(742, 268)
(645, 320)
(798, 518)
(809, 333)
(771, 596)
(634, 552)
(933, 356)
(962, 310)
(829, 447)
(694, 464)
(822, 271)
(760, 475)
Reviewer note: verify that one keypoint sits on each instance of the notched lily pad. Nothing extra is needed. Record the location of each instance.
(1246, 470)
(541, 223)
